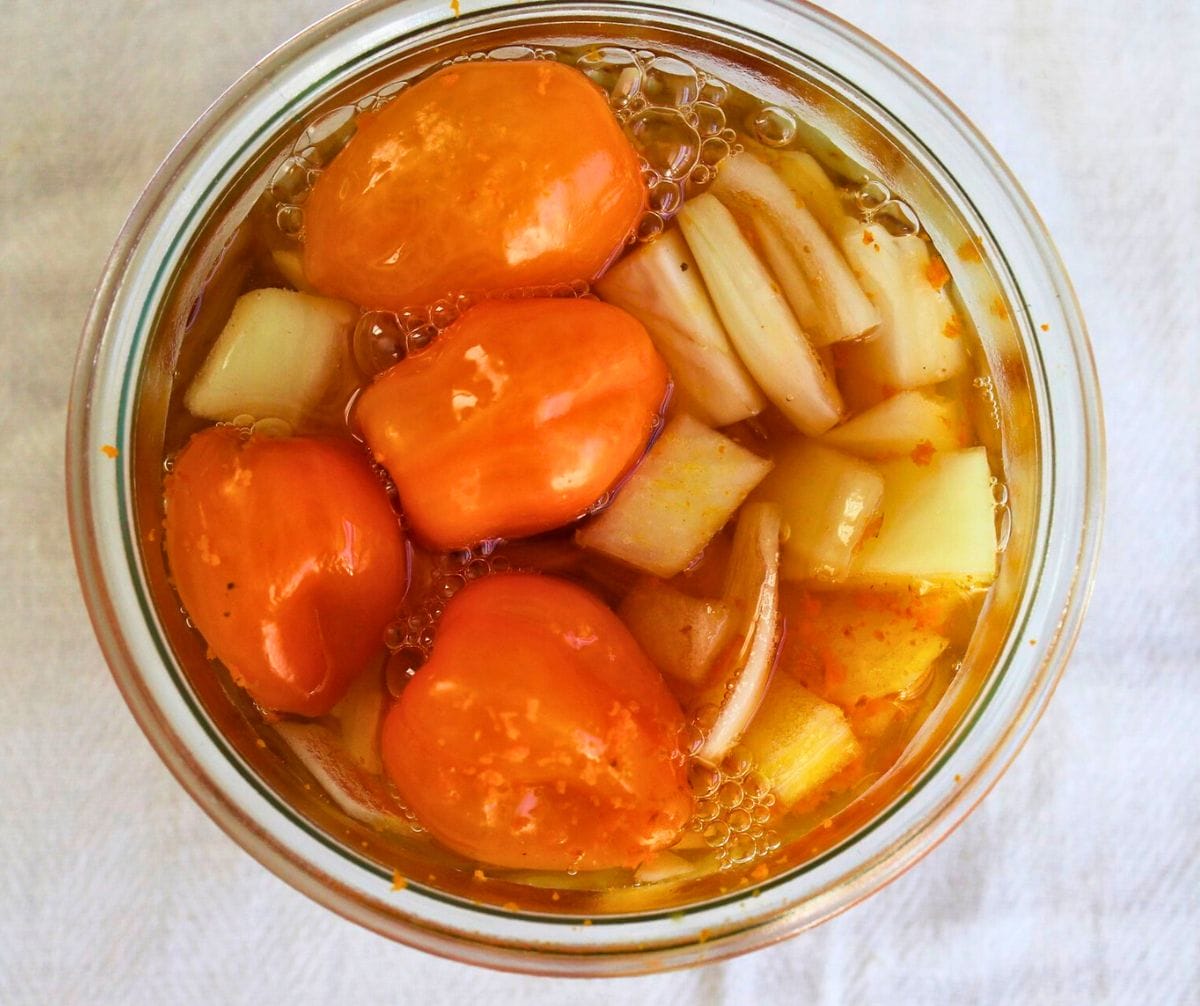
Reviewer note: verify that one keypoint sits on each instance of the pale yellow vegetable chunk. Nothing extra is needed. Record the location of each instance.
(798, 741)
(660, 285)
(275, 357)
(290, 264)
(683, 492)
(762, 327)
(918, 341)
(939, 522)
(358, 715)
(910, 421)
(829, 502)
(680, 633)
(850, 646)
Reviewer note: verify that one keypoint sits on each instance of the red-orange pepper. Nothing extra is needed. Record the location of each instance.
(519, 417)
(288, 558)
(539, 735)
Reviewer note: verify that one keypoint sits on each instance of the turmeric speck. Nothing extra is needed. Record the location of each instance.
(936, 273)
(399, 883)
(109, 451)
(922, 454)
(969, 252)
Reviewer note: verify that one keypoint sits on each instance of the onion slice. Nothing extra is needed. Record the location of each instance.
(752, 589)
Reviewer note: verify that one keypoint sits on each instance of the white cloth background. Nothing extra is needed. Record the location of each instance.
(1077, 879)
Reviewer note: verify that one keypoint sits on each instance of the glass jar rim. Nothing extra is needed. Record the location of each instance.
(99, 497)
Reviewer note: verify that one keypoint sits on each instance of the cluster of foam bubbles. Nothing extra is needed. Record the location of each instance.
(734, 807)
(876, 204)
(673, 116)
(410, 638)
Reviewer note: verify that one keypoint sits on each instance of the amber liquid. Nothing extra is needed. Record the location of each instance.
(738, 837)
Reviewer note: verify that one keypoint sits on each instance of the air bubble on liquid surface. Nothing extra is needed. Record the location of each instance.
(709, 119)
(624, 91)
(290, 221)
(420, 338)
(605, 65)
(290, 183)
(898, 218)
(665, 197)
(443, 313)
(739, 821)
(714, 91)
(670, 81)
(987, 389)
(378, 341)
(713, 151)
(403, 663)
(650, 226)
(664, 139)
(871, 196)
(324, 137)
(511, 52)
(773, 126)
(389, 91)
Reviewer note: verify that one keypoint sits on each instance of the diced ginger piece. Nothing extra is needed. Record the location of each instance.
(761, 326)
(746, 184)
(358, 715)
(939, 522)
(830, 501)
(661, 286)
(681, 634)
(909, 424)
(360, 795)
(799, 742)
(752, 591)
(276, 356)
(684, 491)
(917, 342)
(854, 646)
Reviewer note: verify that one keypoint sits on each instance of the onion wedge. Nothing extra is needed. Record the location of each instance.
(752, 590)
(660, 285)
(358, 794)
(747, 185)
(760, 324)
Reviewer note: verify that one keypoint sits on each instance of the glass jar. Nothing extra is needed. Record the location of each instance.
(1040, 388)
